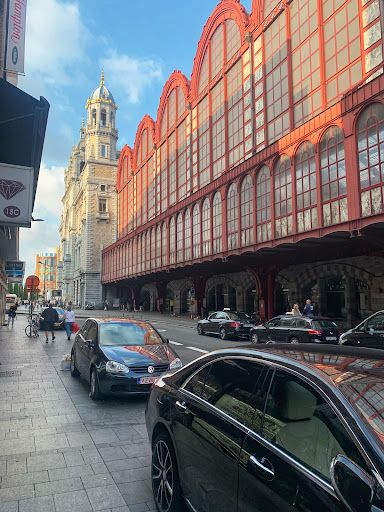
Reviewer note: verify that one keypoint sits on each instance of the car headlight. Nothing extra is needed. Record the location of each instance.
(176, 363)
(115, 367)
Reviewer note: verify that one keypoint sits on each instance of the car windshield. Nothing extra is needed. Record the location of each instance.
(240, 316)
(128, 334)
(60, 311)
(328, 324)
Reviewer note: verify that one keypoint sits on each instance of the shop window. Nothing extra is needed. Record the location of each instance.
(263, 204)
(206, 227)
(370, 142)
(283, 197)
(246, 205)
(217, 223)
(333, 180)
(232, 217)
(306, 192)
(196, 231)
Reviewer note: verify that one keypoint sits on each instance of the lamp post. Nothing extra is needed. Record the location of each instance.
(45, 265)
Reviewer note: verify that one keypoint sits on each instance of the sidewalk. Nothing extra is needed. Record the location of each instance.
(59, 450)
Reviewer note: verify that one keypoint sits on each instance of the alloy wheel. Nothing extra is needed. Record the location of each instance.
(255, 338)
(294, 340)
(162, 476)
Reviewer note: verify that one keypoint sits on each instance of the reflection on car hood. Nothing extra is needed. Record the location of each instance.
(140, 355)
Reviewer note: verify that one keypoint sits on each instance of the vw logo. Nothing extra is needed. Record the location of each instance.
(151, 369)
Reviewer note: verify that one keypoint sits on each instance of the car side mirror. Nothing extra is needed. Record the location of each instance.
(352, 485)
(166, 340)
(90, 343)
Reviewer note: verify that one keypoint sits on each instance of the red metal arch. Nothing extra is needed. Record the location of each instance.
(177, 79)
(321, 135)
(125, 153)
(361, 110)
(146, 122)
(226, 9)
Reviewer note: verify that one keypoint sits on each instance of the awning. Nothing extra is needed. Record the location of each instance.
(23, 121)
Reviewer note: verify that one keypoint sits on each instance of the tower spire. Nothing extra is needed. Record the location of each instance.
(102, 77)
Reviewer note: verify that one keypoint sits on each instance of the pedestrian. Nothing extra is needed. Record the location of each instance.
(12, 314)
(69, 318)
(308, 308)
(51, 317)
(296, 310)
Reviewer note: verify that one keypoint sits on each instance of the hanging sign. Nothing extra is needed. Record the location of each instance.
(16, 195)
(16, 35)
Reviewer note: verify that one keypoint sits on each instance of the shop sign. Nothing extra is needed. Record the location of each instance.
(16, 35)
(16, 195)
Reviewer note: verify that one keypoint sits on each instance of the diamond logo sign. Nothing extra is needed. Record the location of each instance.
(10, 188)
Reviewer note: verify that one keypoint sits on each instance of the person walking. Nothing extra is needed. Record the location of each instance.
(296, 310)
(308, 308)
(51, 317)
(69, 318)
(12, 314)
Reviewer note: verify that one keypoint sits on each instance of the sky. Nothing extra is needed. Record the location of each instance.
(139, 44)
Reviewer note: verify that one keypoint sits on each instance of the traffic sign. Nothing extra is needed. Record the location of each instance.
(32, 281)
(192, 291)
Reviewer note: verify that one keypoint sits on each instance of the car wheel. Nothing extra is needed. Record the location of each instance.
(254, 337)
(95, 392)
(74, 371)
(223, 334)
(165, 476)
(200, 330)
(294, 340)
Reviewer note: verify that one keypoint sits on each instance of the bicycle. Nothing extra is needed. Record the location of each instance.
(32, 329)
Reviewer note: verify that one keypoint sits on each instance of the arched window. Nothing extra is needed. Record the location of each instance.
(103, 117)
(217, 222)
(306, 192)
(283, 197)
(148, 251)
(179, 237)
(158, 246)
(246, 211)
(182, 160)
(172, 108)
(263, 204)
(333, 180)
(164, 122)
(196, 231)
(164, 177)
(112, 120)
(217, 51)
(180, 102)
(187, 233)
(203, 78)
(206, 227)
(233, 38)
(139, 253)
(232, 217)
(235, 114)
(370, 141)
(153, 248)
(218, 129)
(172, 241)
(164, 244)
(204, 141)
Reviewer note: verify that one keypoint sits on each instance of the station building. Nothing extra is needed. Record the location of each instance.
(261, 181)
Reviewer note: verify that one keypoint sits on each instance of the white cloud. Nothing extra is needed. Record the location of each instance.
(130, 76)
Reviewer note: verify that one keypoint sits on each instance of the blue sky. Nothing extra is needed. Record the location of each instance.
(139, 44)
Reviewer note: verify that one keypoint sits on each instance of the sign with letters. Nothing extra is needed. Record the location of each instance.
(16, 195)
(16, 35)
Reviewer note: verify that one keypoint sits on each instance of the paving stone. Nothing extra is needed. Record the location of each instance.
(104, 497)
(42, 462)
(130, 475)
(112, 454)
(9, 506)
(137, 450)
(15, 446)
(74, 458)
(59, 486)
(79, 439)
(35, 477)
(122, 465)
(40, 504)
(99, 468)
(51, 442)
(106, 435)
(101, 480)
(71, 472)
(146, 461)
(135, 492)
(16, 466)
(121, 509)
(68, 501)
(139, 507)
(91, 456)
(16, 493)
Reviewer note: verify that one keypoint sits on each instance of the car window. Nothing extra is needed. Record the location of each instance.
(300, 422)
(234, 386)
(328, 324)
(273, 323)
(376, 323)
(285, 322)
(128, 333)
(302, 324)
(221, 316)
(85, 328)
(212, 317)
(195, 384)
(234, 316)
(92, 332)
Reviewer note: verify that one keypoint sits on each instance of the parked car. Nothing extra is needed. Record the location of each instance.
(120, 356)
(274, 428)
(293, 329)
(58, 325)
(227, 324)
(369, 333)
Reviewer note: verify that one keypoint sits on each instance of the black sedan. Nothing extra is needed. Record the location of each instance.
(273, 428)
(227, 324)
(120, 356)
(292, 329)
(369, 333)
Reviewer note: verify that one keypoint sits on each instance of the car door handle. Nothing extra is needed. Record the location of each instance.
(260, 465)
(381, 335)
(181, 406)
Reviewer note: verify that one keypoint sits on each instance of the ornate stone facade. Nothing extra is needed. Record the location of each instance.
(88, 220)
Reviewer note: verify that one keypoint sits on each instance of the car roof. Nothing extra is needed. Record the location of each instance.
(305, 317)
(120, 320)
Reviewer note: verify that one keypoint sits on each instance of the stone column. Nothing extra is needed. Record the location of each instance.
(350, 301)
(322, 305)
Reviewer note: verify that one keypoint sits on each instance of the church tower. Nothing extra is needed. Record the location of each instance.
(89, 216)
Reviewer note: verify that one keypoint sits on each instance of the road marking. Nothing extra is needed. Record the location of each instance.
(162, 330)
(175, 343)
(198, 350)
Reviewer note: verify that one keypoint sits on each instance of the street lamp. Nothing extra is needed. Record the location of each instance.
(45, 265)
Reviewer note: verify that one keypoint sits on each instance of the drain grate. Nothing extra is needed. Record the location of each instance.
(12, 373)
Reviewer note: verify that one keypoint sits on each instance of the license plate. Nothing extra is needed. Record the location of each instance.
(147, 380)
(331, 338)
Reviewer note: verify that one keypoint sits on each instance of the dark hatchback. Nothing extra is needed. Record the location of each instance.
(267, 429)
(120, 356)
(293, 329)
(227, 324)
(369, 333)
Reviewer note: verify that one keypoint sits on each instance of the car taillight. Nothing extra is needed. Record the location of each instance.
(235, 324)
(340, 332)
(313, 331)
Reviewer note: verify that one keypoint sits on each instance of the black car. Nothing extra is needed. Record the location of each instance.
(227, 324)
(58, 325)
(276, 428)
(369, 333)
(294, 329)
(120, 356)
